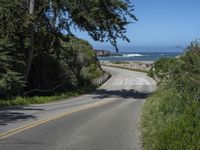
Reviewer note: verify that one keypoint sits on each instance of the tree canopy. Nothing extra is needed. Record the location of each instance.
(33, 28)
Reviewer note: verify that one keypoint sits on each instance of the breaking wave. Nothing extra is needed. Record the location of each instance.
(132, 55)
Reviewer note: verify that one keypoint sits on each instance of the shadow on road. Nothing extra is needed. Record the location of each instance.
(124, 93)
(13, 114)
(21, 113)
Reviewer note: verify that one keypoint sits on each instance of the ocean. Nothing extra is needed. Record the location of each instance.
(140, 56)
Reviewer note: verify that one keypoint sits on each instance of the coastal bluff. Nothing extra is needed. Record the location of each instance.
(103, 53)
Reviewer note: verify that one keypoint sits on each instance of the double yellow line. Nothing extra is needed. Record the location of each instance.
(9, 133)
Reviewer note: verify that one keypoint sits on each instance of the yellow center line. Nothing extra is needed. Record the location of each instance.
(11, 132)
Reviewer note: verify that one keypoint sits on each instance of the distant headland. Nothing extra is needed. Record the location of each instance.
(103, 53)
(106, 53)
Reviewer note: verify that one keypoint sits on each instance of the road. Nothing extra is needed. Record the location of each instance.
(106, 119)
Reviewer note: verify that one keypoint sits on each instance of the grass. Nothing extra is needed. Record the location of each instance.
(19, 100)
(168, 123)
(45, 99)
(170, 118)
(120, 62)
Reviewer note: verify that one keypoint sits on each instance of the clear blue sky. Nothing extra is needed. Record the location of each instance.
(162, 24)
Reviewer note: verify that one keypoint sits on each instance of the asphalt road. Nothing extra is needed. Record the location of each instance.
(104, 120)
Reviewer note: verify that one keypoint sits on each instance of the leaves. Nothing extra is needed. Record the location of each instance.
(171, 116)
(41, 33)
(102, 19)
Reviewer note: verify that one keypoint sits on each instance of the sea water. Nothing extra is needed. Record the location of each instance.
(140, 56)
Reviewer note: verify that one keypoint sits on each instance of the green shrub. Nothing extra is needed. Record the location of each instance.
(168, 123)
(120, 62)
(90, 73)
(11, 82)
(170, 119)
(163, 67)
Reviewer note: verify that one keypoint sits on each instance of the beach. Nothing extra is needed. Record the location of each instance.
(141, 61)
(131, 65)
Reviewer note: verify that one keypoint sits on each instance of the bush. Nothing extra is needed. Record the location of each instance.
(11, 82)
(168, 123)
(170, 119)
(88, 74)
(77, 65)
(163, 67)
(81, 58)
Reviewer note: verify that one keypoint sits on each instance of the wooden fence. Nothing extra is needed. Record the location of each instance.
(101, 80)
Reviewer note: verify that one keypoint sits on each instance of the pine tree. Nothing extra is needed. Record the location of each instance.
(11, 82)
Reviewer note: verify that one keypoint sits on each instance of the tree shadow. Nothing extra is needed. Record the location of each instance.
(14, 114)
(123, 93)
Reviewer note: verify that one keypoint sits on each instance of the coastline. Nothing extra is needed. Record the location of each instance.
(143, 66)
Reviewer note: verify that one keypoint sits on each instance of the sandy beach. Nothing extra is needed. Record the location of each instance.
(133, 65)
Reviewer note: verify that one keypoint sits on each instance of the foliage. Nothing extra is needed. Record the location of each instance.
(168, 123)
(162, 68)
(102, 19)
(120, 62)
(81, 58)
(48, 71)
(26, 37)
(45, 99)
(88, 74)
(170, 117)
(11, 82)
(12, 35)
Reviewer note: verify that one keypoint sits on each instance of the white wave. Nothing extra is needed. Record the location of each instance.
(132, 55)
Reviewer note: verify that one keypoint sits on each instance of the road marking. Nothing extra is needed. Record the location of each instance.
(9, 133)
(142, 81)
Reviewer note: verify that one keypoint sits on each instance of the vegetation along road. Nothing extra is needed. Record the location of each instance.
(103, 120)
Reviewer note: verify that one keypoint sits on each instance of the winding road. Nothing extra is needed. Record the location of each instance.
(106, 119)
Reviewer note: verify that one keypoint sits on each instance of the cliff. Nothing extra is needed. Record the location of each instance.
(102, 53)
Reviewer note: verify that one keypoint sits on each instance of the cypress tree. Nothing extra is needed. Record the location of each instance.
(31, 28)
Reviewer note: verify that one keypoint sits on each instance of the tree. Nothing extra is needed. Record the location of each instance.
(30, 49)
(102, 19)
(22, 22)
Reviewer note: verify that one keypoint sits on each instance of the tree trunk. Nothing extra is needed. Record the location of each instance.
(29, 55)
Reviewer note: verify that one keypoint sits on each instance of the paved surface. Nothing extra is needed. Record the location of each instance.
(104, 120)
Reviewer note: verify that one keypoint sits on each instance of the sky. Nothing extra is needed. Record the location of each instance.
(162, 25)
